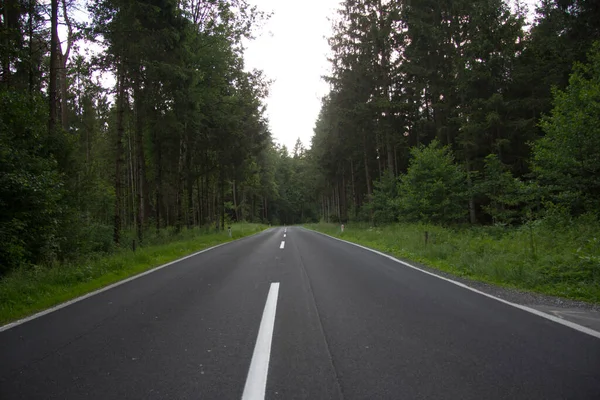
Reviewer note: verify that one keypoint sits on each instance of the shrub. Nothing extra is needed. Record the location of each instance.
(384, 201)
(434, 188)
(31, 186)
(567, 159)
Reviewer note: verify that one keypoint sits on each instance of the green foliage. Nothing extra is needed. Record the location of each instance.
(434, 187)
(508, 196)
(31, 187)
(294, 178)
(567, 159)
(384, 203)
(475, 77)
(180, 141)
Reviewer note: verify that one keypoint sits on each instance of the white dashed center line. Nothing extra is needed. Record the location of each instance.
(256, 383)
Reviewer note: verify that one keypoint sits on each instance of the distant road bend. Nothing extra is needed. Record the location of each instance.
(293, 314)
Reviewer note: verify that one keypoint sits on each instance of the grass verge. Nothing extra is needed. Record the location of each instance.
(549, 257)
(29, 290)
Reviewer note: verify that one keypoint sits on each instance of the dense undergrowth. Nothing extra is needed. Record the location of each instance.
(551, 256)
(29, 289)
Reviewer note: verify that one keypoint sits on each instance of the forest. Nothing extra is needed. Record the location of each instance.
(452, 113)
(177, 139)
(455, 112)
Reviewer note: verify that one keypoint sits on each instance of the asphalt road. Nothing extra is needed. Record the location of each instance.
(342, 323)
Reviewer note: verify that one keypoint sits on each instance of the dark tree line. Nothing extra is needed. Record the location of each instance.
(179, 140)
(439, 111)
(457, 111)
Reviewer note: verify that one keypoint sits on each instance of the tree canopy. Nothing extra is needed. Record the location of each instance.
(446, 112)
(180, 140)
(424, 92)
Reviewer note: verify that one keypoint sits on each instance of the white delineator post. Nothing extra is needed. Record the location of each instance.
(342, 228)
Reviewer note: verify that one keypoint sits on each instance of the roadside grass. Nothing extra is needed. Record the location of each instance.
(549, 257)
(29, 290)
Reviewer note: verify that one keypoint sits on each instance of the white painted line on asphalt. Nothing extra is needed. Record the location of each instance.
(572, 325)
(285, 234)
(256, 382)
(282, 245)
(119, 283)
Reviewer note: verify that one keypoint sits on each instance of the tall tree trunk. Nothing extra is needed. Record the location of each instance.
(189, 191)
(342, 199)
(390, 153)
(472, 211)
(332, 205)
(53, 63)
(64, 59)
(328, 207)
(235, 206)
(119, 152)
(140, 158)
(179, 194)
(266, 211)
(30, 33)
(242, 216)
(380, 149)
(367, 173)
(213, 204)
(354, 197)
(158, 178)
(199, 200)
(10, 28)
(222, 203)
(6, 44)
(338, 207)
(132, 183)
(383, 50)
(206, 194)
(189, 186)
(168, 213)
(262, 209)
(193, 208)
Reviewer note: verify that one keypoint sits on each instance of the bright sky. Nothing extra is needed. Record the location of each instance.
(292, 51)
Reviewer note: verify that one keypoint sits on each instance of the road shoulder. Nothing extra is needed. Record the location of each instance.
(578, 312)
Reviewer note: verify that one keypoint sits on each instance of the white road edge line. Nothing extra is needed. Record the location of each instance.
(256, 382)
(282, 245)
(113, 285)
(572, 325)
